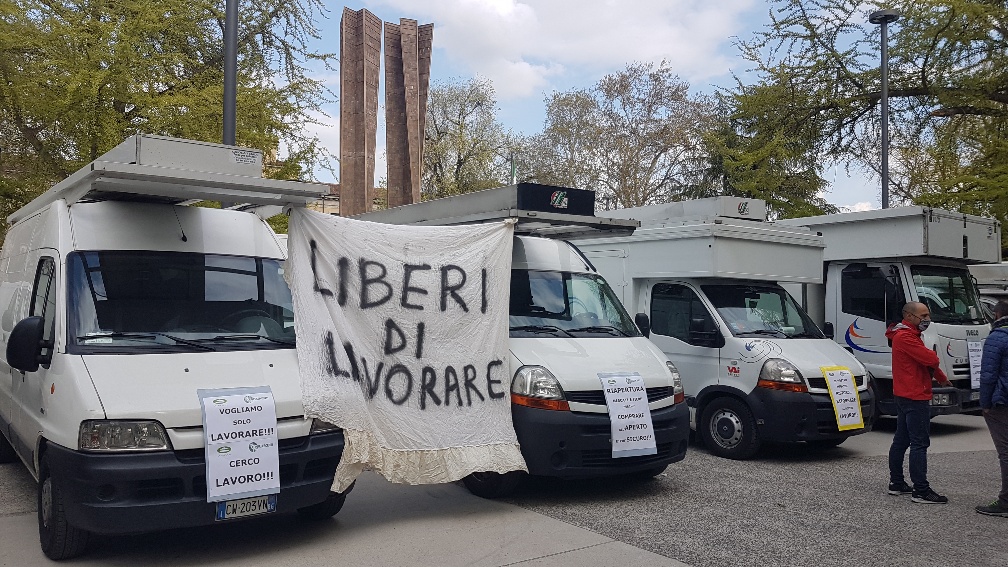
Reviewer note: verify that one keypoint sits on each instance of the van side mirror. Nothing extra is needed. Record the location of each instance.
(828, 330)
(24, 345)
(643, 323)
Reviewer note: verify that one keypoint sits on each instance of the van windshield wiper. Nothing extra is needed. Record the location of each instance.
(541, 329)
(151, 335)
(766, 332)
(608, 329)
(247, 337)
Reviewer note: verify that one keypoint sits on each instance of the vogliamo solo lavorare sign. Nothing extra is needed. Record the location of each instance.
(631, 429)
(240, 429)
(844, 395)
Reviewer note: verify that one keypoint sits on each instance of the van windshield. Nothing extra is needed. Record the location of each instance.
(566, 304)
(949, 294)
(157, 301)
(754, 310)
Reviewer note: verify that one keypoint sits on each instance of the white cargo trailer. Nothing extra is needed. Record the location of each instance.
(876, 261)
(704, 276)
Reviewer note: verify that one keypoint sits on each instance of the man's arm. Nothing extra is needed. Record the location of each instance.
(915, 349)
(990, 369)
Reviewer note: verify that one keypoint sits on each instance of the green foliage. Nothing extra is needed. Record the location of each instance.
(636, 137)
(79, 76)
(465, 148)
(819, 89)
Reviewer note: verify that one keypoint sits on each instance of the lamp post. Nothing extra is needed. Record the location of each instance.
(230, 69)
(884, 18)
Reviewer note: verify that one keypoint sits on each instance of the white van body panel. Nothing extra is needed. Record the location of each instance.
(576, 362)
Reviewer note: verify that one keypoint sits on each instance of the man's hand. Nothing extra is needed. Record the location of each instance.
(945, 384)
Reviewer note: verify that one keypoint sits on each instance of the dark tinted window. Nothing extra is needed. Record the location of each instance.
(676, 311)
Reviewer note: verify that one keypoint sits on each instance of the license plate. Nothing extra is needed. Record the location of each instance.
(246, 507)
(974, 395)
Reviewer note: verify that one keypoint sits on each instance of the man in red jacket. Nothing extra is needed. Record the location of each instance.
(914, 366)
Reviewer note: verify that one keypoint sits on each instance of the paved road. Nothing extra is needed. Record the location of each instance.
(790, 506)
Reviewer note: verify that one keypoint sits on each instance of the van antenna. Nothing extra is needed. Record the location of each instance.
(175, 210)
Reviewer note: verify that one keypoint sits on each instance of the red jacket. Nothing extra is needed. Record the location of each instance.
(913, 364)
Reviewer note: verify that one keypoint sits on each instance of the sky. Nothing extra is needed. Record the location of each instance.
(529, 49)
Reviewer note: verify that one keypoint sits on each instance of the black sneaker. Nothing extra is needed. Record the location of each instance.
(928, 497)
(993, 509)
(900, 488)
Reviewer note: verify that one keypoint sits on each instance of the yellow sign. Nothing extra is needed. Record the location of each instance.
(844, 395)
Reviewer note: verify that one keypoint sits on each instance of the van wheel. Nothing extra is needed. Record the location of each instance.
(7, 454)
(491, 484)
(325, 509)
(728, 429)
(59, 540)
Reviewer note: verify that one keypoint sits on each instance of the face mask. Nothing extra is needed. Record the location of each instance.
(923, 325)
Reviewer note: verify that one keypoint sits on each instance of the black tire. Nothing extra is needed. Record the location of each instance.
(59, 540)
(325, 509)
(7, 454)
(491, 484)
(728, 429)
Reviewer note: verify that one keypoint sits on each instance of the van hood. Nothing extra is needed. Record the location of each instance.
(808, 355)
(163, 386)
(576, 362)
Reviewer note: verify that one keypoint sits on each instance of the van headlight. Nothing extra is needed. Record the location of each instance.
(122, 435)
(536, 387)
(678, 394)
(779, 374)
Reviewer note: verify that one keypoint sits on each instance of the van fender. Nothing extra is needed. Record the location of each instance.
(709, 393)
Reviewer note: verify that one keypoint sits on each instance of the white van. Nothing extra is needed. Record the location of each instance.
(116, 312)
(566, 328)
(704, 273)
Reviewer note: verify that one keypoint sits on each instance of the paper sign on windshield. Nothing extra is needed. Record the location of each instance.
(240, 428)
(975, 349)
(629, 416)
(843, 392)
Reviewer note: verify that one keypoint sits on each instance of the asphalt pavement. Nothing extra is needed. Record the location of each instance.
(789, 506)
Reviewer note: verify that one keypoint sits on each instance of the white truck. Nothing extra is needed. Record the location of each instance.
(567, 328)
(118, 305)
(992, 283)
(876, 261)
(704, 274)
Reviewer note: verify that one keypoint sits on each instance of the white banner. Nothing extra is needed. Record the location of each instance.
(402, 341)
(242, 457)
(843, 392)
(630, 424)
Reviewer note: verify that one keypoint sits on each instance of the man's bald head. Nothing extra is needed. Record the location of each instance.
(915, 310)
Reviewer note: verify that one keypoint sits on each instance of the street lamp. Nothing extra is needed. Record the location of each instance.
(230, 69)
(884, 18)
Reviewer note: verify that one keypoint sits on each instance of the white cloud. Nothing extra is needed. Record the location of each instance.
(865, 206)
(524, 47)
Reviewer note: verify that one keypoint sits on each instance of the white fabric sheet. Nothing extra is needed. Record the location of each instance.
(403, 342)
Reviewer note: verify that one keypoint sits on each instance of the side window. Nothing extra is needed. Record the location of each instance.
(676, 311)
(867, 292)
(44, 299)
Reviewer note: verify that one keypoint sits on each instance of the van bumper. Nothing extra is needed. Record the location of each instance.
(143, 492)
(569, 444)
(800, 416)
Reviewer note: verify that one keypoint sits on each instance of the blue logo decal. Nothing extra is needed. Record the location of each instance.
(852, 332)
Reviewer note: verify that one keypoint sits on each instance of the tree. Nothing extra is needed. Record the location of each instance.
(465, 148)
(818, 88)
(635, 137)
(79, 76)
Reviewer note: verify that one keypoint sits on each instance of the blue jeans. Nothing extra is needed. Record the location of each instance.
(913, 430)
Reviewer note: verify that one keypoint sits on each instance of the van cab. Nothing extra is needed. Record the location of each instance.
(568, 332)
(115, 315)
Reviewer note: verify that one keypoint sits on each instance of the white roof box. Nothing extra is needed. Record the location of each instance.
(725, 207)
(159, 169)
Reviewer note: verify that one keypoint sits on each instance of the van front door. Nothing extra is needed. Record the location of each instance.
(871, 298)
(28, 386)
(684, 329)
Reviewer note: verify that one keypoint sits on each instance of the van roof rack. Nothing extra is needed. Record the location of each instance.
(159, 169)
(539, 210)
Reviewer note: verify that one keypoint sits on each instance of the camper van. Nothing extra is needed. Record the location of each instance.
(129, 322)
(569, 335)
(705, 274)
(877, 261)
